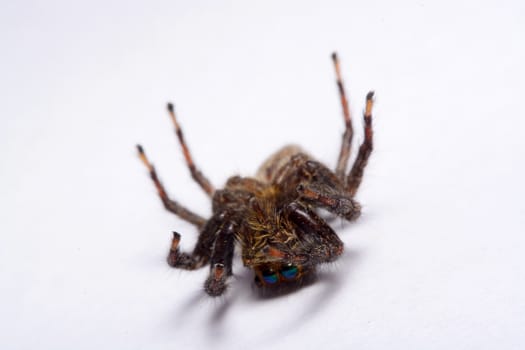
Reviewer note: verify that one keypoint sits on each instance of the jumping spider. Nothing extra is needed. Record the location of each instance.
(272, 215)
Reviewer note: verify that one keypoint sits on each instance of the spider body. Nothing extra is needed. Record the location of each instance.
(272, 216)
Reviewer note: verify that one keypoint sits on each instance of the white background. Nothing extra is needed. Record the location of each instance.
(435, 262)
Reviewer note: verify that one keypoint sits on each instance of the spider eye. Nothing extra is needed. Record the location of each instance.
(289, 272)
(269, 276)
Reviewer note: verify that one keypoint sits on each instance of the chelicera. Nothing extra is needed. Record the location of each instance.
(272, 216)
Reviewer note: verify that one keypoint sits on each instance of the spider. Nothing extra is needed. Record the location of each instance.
(273, 215)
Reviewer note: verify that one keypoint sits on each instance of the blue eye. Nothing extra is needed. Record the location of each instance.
(289, 272)
(269, 277)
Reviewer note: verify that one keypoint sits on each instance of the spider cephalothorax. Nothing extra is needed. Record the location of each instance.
(272, 216)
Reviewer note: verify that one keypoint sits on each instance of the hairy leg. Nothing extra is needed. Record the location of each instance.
(311, 182)
(322, 243)
(336, 202)
(182, 260)
(170, 204)
(202, 252)
(221, 258)
(196, 174)
(346, 144)
(356, 174)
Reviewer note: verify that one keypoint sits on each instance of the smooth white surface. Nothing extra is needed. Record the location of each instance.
(436, 261)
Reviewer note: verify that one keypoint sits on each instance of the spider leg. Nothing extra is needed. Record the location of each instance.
(221, 259)
(182, 260)
(203, 248)
(196, 174)
(356, 174)
(346, 144)
(321, 242)
(169, 204)
(339, 203)
(310, 181)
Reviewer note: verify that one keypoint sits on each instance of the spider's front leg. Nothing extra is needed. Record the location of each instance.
(203, 249)
(318, 185)
(182, 260)
(221, 257)
(311, 182)
(334, 200)
(321, 242)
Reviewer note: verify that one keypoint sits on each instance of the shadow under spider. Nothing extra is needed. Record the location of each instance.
(331, 278)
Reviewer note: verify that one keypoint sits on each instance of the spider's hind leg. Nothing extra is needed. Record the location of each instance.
(170, 204)
(346, 143)
(356, 174)
(196, 174)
